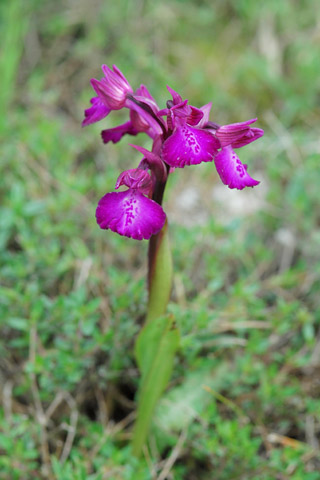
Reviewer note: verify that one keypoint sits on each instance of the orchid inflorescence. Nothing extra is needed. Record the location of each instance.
(182, 135)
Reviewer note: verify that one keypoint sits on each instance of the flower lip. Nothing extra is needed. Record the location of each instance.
(130, 214)
(232, 171)
(189, 146)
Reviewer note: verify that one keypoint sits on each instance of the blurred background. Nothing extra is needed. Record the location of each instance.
(243, 402)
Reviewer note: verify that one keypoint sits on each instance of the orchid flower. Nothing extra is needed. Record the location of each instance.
(131, 213)
(182, 134)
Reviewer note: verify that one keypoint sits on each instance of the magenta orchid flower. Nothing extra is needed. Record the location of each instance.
(231, 170)
(182, 135)
(130, 213)
(187, 144)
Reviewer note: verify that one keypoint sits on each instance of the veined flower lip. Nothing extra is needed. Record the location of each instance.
(189, 146)
(232, 171)
(130, 214)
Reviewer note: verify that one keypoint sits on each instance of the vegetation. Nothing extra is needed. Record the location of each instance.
(243, 402)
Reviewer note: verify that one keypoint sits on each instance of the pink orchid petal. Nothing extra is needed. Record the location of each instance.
(115, 134)
(118, 72)
(138, 121)
(195, 116)
(181, 109)
(205, 109)
(153, 162)
(228, 134)
(145, 117)
(232, 171)
(144, 92)
(189, 146)
(135, 178)
(112, 88)
(97, 112)
(138, 118)
(130, 214)
(236, 127)
(175, 96)
(251, 136)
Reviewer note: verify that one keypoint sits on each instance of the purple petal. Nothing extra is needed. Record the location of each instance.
(183, 113)
(232, 171)
(116, 72)
(153, 162)
(146, 116)
(175, 96)
(112, 88)
(181, 110)
(97, 112)
(195, 116)
(136, 118)
(206, 114)
(228, 134)
(138, 122)
(251, 136)
(130, 214)
(144, 92)
(115, 134)
(135, 178)
(189, 146)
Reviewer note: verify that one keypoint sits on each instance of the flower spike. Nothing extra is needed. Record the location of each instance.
(182, 134)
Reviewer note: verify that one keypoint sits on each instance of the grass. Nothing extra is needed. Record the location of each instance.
(243, 402)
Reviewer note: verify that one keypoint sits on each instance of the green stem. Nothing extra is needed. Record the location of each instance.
(155, 351)
(159, 275)
(159, 339)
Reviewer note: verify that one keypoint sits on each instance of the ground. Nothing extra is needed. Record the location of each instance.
(243, 401)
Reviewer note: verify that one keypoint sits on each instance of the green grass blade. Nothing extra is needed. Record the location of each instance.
(13, 28)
